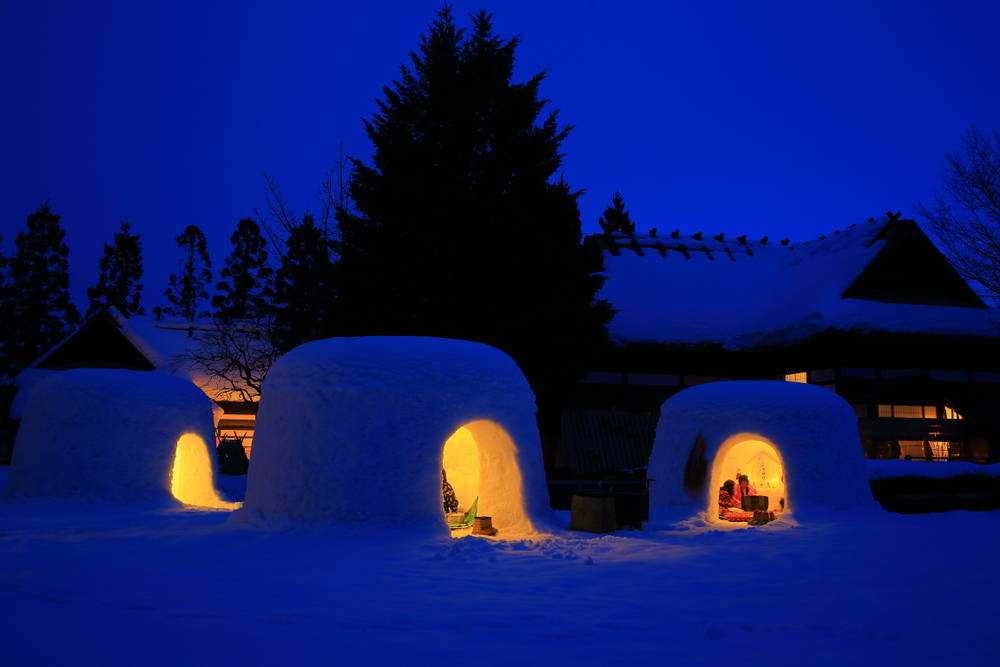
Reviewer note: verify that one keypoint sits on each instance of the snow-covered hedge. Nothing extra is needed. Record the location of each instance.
(814, 430)
(352, 429)
(103, 434)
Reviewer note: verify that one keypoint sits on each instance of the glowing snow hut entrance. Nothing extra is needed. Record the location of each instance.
(191, 475)
(758, 459)
(479, 461)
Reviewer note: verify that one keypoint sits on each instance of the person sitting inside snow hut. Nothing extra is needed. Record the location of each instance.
(726, 500)
(743, 488)
(448, 497)
(730, 508)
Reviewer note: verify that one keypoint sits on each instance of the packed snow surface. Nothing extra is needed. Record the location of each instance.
(879, 468)
(353, 429)
(106, 435)
(114, 585)
(814, 431)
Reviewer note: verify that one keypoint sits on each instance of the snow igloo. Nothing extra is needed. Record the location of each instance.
(363, 429)
(797, 444)
(118, 436)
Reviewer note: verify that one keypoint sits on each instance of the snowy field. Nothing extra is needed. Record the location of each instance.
(114, 585)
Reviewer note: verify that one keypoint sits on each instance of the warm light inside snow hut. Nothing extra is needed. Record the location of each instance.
(191, 475)
(758, 459)
(480, 463)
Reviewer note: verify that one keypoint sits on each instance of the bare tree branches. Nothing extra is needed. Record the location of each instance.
(233, 359)
(965, 217)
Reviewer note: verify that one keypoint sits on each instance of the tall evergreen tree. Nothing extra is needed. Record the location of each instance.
(462, 227)
(121, 270)
(303, 287)
(38, 312)
(616, 218)
(245, 291)
(185, 292)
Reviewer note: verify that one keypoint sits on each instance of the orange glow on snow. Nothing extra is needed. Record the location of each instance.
(480, 460)
(191, 479)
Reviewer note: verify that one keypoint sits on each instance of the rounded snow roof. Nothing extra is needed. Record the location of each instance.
(352, 429)
(108, 435)
(813, 429)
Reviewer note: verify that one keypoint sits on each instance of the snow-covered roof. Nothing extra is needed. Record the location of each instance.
(168, 346)
(741, 293)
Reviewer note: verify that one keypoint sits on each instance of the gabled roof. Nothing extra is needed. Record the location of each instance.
(109, 340)
(741, 293)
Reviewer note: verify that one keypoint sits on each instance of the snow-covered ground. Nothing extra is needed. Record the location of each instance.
(126, 585)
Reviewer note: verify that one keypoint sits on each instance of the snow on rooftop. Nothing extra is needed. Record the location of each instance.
(740, 293)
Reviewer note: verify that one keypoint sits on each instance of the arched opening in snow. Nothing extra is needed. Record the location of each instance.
(757, 458)
(479, 462)
(191, 479)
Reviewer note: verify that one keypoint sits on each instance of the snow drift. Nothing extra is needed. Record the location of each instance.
(115, 435)
(353, 429)
(810, 431)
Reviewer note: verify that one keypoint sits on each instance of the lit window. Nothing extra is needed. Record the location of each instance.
(885, 411)
(908, 411)
(796, 377)
(930, 412)
(912, 449)
(939, 450)
(949, 413)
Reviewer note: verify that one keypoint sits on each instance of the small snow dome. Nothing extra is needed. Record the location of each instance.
(400, 432)
(790, 448)
(116, 435)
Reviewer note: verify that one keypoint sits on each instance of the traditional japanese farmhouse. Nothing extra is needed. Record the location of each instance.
(873, 312)
(182, 349)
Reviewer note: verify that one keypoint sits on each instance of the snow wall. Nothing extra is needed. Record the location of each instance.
(115, 435)
(353, 429)
(814, 431)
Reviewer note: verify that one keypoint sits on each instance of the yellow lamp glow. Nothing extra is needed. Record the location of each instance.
(763, 465)
(480, 460)
(191, 475)
(461, 465)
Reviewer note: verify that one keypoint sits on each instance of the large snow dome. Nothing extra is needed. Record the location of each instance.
(797, 443)
(115, 435)
(360, 429)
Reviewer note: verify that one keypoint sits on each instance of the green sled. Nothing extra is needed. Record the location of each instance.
(467, 519)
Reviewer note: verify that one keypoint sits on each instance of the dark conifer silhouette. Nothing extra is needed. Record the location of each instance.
(463, 228)
(37, 311)
(303, 287)
(616, 219)
(245, 291)
(121, 270)
(186, 292)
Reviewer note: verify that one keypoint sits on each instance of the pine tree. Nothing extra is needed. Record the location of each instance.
(185, 292)
(121, 270)
(616, 218)
(303, 287)
(462, 227)
(245, 291)
(38, 312)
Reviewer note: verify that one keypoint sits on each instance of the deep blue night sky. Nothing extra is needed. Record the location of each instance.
(785, 119)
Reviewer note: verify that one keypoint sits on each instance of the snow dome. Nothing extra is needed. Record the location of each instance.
(797, 444)
(360, 429)
(115, 435)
